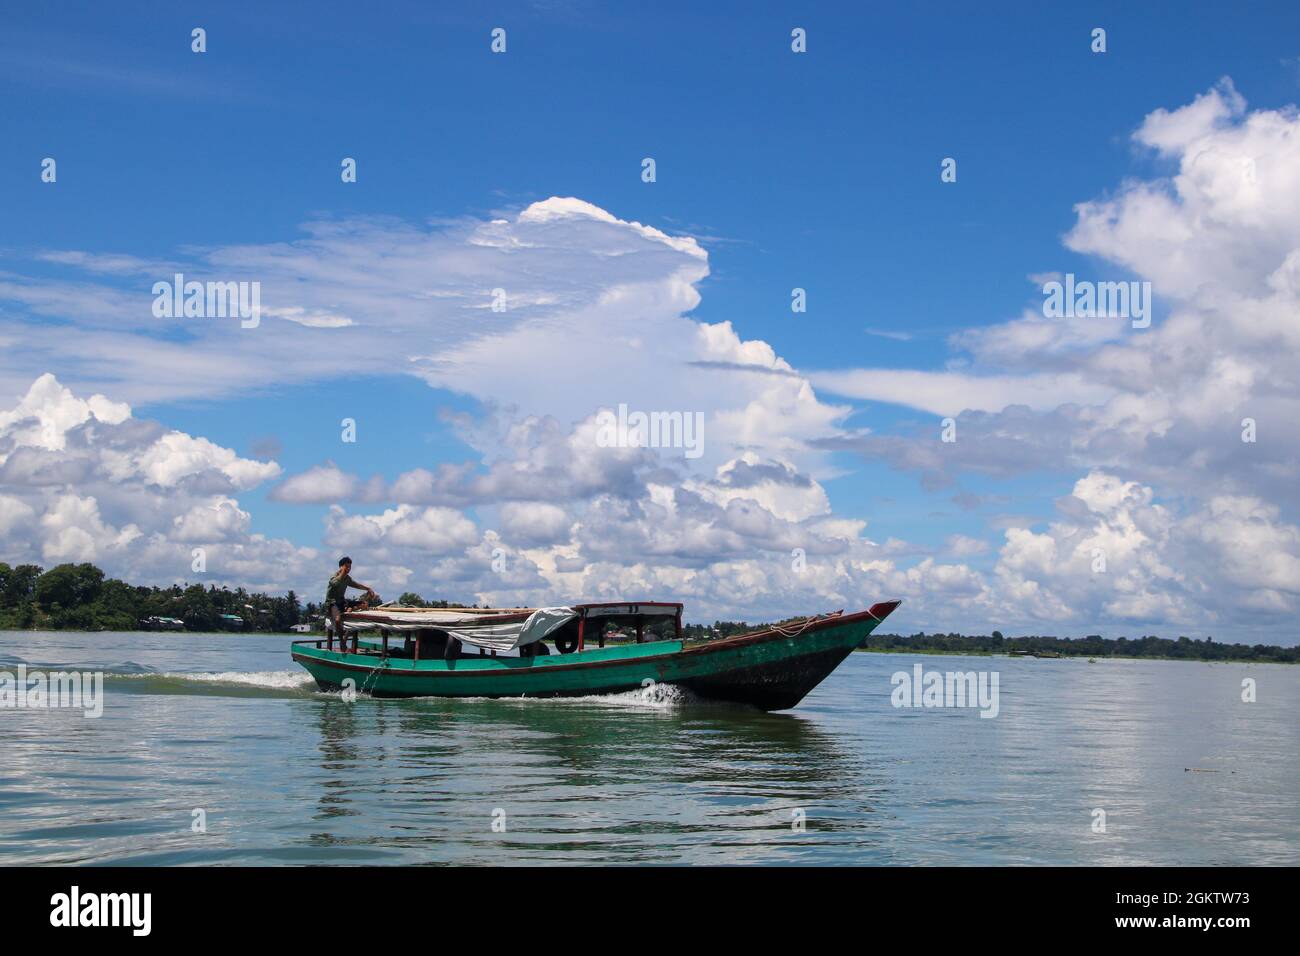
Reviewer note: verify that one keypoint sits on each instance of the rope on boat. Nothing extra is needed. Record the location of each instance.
(792, 631)
(383, 659)
(795, 631)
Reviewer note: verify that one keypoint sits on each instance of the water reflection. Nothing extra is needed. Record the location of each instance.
(289, 775)
(599, 780)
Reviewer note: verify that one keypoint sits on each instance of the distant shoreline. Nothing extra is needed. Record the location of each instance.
(80, 598)
(1068, 657)
(1057, 654)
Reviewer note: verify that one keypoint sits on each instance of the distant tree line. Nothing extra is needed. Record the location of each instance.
(80, 597)
(1183, 648)
(411, 599)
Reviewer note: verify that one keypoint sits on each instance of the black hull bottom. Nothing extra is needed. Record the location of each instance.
(778, 685)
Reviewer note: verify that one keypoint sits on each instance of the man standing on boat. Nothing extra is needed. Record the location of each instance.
(336, 594)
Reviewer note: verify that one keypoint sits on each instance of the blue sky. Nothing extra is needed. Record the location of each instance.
(816, 170)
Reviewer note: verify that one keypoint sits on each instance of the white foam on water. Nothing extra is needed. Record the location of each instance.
(271, 680)
(659, 697)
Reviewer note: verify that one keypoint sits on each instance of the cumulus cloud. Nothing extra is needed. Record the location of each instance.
(52, 437)
(534, 522)
(1118, 556)
(1219, 239)
(427, 530)
(1201, 410)
(551, 315)
(577, 285)
(326, 484)
(84, 480)
(777, 486)
(218, 519)
(753, 539)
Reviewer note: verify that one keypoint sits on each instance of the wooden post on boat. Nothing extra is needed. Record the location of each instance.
(582, 627)
(640, 626)
(677, 625)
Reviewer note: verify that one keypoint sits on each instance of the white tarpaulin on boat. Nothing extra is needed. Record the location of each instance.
(498, 630)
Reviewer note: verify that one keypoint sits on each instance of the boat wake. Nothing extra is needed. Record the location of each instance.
(219, 684)
(9, 662)
(662, 697)
(134, 678)
(130, 677)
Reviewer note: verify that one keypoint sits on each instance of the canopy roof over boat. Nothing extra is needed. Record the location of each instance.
(631, 609)
(498, 629)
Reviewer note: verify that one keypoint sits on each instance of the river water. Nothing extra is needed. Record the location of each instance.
(216, 749)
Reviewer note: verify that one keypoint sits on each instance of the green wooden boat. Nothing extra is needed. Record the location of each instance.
(772, 669)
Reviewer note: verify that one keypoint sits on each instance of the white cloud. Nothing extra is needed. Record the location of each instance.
(73, 531)
(1174, 132)
(84, 480)
(1033, 340)
(176, 456)
(534, 522)
(322, 484)
(950, 393)
(1195, 525)
(726, 543)
(963, 546)
(219, 519)
(378, 297)
(777, 487)
(43, 417)
(1114, 555)
(1220, 242)
(430, 530)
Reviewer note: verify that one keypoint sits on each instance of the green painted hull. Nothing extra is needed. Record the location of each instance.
(768, 669)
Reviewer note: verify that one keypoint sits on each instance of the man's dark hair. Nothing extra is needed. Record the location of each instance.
(344, 560)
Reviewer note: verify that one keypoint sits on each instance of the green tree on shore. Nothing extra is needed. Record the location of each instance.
(80, 597)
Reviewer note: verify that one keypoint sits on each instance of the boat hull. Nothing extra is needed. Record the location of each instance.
(772, 670)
